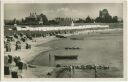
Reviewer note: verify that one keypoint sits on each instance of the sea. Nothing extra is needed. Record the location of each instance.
(98, 48)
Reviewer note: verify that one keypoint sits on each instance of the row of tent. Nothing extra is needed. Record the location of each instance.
(26, 28)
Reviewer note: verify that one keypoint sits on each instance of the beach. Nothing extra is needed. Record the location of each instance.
(42, 47)
(27, 55)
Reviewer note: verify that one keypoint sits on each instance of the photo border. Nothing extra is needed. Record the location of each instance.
(67, 1)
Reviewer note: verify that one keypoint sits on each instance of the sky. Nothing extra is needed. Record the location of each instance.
(53, 10)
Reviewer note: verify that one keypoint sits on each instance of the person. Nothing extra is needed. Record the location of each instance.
(70, 71)
(73, 69)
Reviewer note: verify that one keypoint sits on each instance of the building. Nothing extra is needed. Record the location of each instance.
(104, 16)
(64, 21)
(103, 13)
(34, 19)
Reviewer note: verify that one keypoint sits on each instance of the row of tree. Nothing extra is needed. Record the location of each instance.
(80, 20)
(109, 19)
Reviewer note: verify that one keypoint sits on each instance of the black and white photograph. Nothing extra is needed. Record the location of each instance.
(63, 40)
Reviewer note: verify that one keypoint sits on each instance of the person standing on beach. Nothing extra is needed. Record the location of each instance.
(73, 69)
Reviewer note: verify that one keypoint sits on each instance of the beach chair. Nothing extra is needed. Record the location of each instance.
(6, 70)
(14, 72)
(8, 47)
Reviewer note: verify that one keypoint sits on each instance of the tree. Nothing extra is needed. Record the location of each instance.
(98, 20)
(107, 19)
(115, 19)
(53, 22)
(14, 21)
(80, 21)
(89, 20)
(44, 18)
(104, 17)
(22, 21)
(8, 22)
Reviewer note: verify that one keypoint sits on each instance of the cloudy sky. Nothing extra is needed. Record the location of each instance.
(52, 10)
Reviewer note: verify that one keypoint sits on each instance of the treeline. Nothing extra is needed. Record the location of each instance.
(113, 19)
(23, 22)
(54, 22)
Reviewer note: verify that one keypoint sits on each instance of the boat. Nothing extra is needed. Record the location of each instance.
(73, 48)
(77, 38)
(60, 36)
(66, 56)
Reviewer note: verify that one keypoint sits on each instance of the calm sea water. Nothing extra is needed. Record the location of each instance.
(96, 48)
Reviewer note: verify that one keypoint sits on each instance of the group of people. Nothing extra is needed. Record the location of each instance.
(84, 66)
(14, 66)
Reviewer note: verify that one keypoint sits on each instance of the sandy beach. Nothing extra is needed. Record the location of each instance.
(29, 54)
